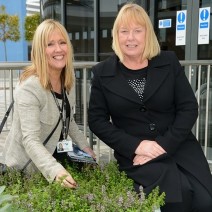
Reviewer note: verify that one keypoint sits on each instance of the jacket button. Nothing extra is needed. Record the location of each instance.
(152, 126)
(143, 108)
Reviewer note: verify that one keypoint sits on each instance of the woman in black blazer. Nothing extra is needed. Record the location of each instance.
(143, 107)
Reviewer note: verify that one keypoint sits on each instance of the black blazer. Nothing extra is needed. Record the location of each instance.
(167, 114)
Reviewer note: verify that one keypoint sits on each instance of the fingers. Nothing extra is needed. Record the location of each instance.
(155, 151)
(90, 152)
(149, 149)
(140, 160)
(66, 179)
(69, 182)
(158, 148)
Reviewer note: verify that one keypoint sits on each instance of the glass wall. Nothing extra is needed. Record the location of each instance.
(166, 11)
(205, 50)
(79, 22)
(90, 22)
(107, 13)
(51, 9)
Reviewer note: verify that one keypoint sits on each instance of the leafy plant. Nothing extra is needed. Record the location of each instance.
(5, 200)
(100, 188)
(9, 28)
(30, 25)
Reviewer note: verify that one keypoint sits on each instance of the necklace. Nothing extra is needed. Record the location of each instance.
(62, 111)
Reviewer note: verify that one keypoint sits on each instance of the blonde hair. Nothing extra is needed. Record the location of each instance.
(39, 66)
(129, 13)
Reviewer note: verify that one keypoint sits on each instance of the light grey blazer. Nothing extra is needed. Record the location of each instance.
(35, 116)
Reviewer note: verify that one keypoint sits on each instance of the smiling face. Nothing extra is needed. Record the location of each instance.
(131, 40)
(56, 51)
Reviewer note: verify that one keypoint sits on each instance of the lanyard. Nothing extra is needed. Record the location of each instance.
(62, 111)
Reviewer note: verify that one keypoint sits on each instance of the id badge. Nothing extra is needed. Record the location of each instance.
(64, 146)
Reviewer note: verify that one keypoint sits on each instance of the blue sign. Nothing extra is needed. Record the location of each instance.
(166, 23)
(204, 15)
(181, 17)
(204, 25)
(180, 28)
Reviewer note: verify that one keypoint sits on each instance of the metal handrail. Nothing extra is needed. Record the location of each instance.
(195, 69)
(21, 65)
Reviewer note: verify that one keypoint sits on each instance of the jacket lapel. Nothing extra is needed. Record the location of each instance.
(113, 80)
(158, 70)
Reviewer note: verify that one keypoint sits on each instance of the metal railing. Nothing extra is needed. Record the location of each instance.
(197, 71)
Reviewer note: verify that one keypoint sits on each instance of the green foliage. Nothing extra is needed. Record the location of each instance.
(9, 28)
(100, 188)
(5, 199)
(30, 25)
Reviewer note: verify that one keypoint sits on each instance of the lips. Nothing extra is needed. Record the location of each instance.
(58, 57)
(131, 46)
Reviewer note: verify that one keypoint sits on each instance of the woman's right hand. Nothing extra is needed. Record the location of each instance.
(66, 179)
(149, 149)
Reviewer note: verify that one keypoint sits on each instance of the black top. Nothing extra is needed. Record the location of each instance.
(62, 157)
(135, 78)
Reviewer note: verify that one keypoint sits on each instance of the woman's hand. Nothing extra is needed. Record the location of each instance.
(140, 160)
(90, 152)
(149, 149)
(66, 179)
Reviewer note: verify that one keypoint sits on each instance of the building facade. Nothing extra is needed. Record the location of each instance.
(16, 51)
(32, 7)
(176, 23)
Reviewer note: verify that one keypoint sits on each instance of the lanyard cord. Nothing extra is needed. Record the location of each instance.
(62, 111)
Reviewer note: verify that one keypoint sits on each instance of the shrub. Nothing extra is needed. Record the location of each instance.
(101, 188)
(5, 200)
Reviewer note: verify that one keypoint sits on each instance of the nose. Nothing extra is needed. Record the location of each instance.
(57, 47)
(131, 35)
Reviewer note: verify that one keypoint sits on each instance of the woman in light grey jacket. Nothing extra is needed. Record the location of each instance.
(44, 96)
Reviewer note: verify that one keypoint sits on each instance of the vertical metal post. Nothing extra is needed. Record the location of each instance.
(11, 88)
(207, 110)
(198, 100)
(85, 101)
(62, 15)
(96, 29)
(98, 150)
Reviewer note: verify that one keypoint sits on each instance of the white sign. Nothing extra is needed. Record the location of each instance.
(181, 28)
(204, 23)
(165, 23)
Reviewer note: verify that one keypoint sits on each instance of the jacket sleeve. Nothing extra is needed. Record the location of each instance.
(101, 125)
(29, 106)
(186, 111)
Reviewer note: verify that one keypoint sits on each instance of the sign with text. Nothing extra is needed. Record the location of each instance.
(181, 28)
(204, 24)
(165, 23)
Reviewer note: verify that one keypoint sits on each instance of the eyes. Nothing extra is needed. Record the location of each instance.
(53, 43)
(125, 31)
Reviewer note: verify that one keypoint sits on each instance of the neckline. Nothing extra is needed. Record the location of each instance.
(133, 71)
(58, 95)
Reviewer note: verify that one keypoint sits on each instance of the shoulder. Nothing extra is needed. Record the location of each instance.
(30, 87)
(106, 66)
(30, 83)
(165, 58)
